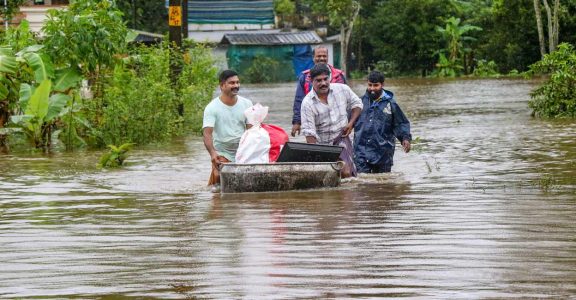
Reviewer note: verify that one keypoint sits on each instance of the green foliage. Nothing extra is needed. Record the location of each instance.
(138, 103)
(11, 9)
(556, 98)
(404, 32)
(196, 84)
(135, 99)
(263, 69)
(142, 103)
(389, 68)
(26, 66)
(115, 157)
(41, 111)
(339, 12)
(146, 15)
(510, 37)
(19, 37)
(454, 35)
(358, 75)
(34, 103)
(87, 34)
(446, 68)
(284, 7)
(486, 68)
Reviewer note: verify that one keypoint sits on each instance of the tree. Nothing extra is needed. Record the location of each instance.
(553, 28)
(455, 36)
(88, 34)
(342, 14)
(509, 37)
(402, 33)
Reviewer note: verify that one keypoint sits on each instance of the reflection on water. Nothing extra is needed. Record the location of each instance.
(484, 207)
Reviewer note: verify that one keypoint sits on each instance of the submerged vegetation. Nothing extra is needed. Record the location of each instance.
(116, 156)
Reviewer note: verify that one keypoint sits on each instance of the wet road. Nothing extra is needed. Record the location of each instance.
(483, 207)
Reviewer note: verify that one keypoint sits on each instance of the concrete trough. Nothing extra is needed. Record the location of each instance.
(243, 178)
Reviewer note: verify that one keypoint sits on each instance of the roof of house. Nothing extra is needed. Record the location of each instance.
(231, 12)
(143, 36)
(279, 38)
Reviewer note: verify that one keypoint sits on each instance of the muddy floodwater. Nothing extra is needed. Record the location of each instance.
(484, 207)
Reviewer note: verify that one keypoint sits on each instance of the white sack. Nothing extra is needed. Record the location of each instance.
(254, 145)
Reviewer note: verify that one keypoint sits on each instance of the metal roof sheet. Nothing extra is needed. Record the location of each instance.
(280, 38)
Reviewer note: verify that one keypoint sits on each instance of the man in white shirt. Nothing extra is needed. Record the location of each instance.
(325, 112)
(325, 109)
(224, 123)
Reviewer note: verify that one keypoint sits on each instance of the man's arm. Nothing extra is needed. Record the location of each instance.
(354, 106)
(300, 94)
(356, 111)
(308, 123)
(401, 126)
(209, 144)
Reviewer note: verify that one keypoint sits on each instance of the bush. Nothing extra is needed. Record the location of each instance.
(389, 68)
(196, 85)
(556, 98)
(263, 70)
(142, 104)
(486, 68)
(138, 104)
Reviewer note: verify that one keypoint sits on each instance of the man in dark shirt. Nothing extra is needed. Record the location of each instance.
(380, 123)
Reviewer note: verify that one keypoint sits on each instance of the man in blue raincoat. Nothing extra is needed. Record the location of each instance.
(379, 125)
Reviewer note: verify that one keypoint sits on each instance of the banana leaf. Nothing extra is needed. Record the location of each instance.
(8, 63)
(38, 103)
(56, 105)
(66, 78)
(41, 66)
(25, 93)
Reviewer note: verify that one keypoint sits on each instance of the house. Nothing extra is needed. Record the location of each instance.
(209, 20)
(246, 29)
(291, 50)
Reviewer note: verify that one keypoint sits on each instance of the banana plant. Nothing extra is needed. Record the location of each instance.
(41, 111)
(45, 104)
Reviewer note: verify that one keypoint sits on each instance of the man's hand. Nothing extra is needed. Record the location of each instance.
(215, 159)
(406, 145)
(295, 129)
(347, 130)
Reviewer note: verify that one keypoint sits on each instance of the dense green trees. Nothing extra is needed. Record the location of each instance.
(402, 35)
(510, 37)
(403, 32)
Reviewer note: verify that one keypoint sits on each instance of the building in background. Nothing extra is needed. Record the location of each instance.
(209, 20)
(35, 11)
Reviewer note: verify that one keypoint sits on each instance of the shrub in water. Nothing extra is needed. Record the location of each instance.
(556, 98)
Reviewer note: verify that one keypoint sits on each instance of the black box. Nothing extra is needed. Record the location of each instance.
(303, 152)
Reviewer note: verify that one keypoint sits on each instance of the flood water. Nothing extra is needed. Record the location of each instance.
(483, 207)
